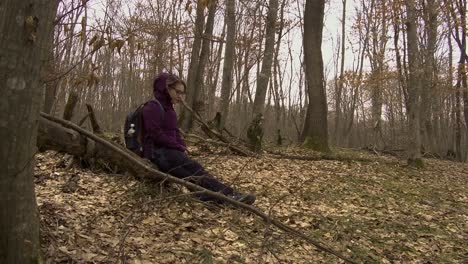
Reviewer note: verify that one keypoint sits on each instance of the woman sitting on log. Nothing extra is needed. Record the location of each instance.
(163, 145)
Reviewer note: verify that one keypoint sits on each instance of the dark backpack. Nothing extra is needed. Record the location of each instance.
(133, 129)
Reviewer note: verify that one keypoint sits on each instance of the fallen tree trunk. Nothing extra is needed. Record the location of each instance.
(320, 156)
(61, 135)
(54, 136)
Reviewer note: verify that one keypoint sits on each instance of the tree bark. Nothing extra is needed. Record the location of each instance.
(456, 16)
(194, 63)
(315, 132)
(198, 86)
(226, 84)
(264, 76)
(427, 95)
(263, 79)
(50, 85)
(70, 106)
(377, 27)
(414, 88)
(26, 28)
(339, 88)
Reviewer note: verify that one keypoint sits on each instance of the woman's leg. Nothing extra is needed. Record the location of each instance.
(180, 165)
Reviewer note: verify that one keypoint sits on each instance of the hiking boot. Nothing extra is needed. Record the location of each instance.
(246, 198)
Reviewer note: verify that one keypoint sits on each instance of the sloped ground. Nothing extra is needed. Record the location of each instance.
(374, 212)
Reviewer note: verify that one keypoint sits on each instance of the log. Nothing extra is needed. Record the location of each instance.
(61, 135)
(53, 136)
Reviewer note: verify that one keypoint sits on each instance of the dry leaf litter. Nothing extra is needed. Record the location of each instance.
(373, 212)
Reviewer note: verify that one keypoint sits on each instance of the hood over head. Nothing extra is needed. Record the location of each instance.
(160, 87)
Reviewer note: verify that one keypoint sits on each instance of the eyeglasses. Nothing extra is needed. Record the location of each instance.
(180, 93)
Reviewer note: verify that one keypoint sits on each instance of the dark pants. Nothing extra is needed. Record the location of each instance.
(178, 164)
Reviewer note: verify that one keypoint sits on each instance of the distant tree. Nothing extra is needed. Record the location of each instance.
(377, 27)
(264, 76)
(428, 94)
(226, 85)
(315, 132)
(414, 87)
(186, 117)
(339, 86)
(456, 12)
(25, 29)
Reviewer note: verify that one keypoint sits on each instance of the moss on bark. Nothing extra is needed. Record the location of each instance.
(416, 163)
(316, 144)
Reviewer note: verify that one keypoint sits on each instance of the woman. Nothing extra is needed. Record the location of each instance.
(163, 145)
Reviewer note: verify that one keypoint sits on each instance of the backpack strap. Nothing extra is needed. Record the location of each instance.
(162, 108)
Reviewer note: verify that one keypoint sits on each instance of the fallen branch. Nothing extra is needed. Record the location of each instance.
(320, 156)
(84, 143)
(81, 122)
(236, 149)
(219, 143)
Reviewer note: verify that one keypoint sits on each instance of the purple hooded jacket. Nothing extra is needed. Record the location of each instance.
(160, 129)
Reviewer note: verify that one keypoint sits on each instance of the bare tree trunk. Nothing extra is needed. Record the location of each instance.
(70, 106)
(414, 88)
(26, 28)
(198, 87)
(226, 84)
(457, 15)
(458, 120)
(402, 84)
(315, 130)
(339, 88)
(451, 98)
(214, 75)
(256, 124)
(463, 73)
(277, 87)
(356, 89)
(51, 85)
(264, 76)
(186, 116)
(377, 26)
(427, 99)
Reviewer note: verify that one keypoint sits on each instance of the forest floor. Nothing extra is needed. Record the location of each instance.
(378, 211)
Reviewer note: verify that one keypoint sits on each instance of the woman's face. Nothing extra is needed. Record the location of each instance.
(176, 92)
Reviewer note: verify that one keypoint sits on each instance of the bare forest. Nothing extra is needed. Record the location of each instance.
(106, 53)
(291, 131)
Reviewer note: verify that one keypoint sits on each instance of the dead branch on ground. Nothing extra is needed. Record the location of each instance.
(222, 138)
(238, 150)
(320, 156)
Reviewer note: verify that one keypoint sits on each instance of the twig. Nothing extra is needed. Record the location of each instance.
(229, 145)
(153, 173)
(218, 135)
